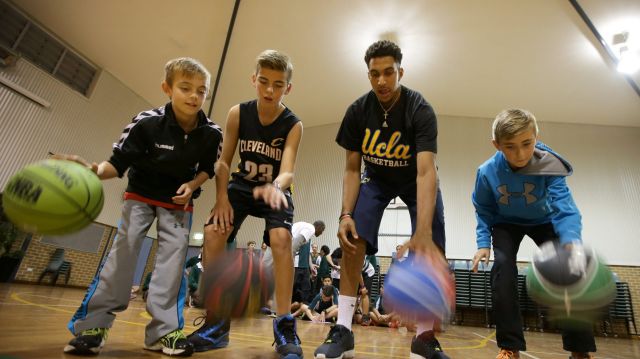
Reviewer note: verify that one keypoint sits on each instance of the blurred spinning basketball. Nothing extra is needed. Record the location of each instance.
(53, 197)
(571, 280)
(236, 284)
(420, 288)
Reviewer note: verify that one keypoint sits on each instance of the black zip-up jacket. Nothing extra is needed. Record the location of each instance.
(161, 157)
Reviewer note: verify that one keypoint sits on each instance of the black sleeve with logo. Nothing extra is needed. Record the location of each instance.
(161, 157)
(424, 123)
(350, 133)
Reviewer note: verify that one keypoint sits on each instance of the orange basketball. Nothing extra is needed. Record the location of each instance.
(236, 284)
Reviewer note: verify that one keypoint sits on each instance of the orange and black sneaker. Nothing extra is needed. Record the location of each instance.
(508, 354)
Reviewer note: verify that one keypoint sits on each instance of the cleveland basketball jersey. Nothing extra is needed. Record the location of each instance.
(261, 147)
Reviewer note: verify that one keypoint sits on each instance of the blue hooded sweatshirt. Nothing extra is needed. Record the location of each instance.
(532, 195)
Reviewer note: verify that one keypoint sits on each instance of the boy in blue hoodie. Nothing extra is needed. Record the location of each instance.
(521, 190)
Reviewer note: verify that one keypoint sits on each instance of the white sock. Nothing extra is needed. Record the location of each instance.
(424, 327)
(346, 308)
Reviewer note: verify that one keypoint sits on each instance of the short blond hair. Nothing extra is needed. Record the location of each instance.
(513, 121)
(186, 66)
(275, 60)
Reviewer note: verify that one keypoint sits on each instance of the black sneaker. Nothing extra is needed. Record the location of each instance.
(576, 355)
(88, 342)
(338, 345)
(286, 338)
(426, 346)
(210, 336)
(173, 344)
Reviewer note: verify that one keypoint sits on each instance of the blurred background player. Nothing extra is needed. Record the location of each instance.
(302, 233)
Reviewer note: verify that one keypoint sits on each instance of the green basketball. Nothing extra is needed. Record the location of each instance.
(53, 197)
(552, 282)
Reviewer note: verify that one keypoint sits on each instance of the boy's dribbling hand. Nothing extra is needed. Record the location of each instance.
(424, 246)
(482, 254)
(271, 195)
(93, 166)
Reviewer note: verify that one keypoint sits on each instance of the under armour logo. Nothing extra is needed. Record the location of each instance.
(506, 195)
(179, 219)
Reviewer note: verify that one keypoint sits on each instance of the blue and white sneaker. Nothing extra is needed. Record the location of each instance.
(286, 338)
(210, 336)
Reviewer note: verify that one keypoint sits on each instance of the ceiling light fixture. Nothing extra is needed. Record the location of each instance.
(628, 55)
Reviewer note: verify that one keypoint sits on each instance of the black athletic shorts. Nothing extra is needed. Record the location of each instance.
(243, 204)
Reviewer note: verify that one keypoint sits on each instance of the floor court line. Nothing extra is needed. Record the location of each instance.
(73, 300)
(493, 341)
(17, 296)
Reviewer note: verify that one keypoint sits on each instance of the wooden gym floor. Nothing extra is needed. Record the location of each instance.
(33, 323)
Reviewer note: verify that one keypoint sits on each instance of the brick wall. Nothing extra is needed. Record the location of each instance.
(83, 264)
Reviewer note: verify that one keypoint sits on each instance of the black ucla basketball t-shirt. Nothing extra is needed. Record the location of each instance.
(389, 147)
(261, 147)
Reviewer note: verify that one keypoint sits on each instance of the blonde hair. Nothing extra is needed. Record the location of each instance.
(186, 66)
(275, 60)
(513, 121)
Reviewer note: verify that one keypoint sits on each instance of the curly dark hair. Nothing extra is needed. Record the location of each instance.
(383, 48)
(325, 250)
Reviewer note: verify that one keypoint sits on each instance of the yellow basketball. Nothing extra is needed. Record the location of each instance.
(53, 197)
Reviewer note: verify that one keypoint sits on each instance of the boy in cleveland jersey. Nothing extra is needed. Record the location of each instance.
(267, 135)
(393, 129)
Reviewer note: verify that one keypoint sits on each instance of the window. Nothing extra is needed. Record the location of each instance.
(21, 35)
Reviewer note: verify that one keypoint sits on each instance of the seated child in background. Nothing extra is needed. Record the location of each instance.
(323, 306)
(298, 309)
(379, 315)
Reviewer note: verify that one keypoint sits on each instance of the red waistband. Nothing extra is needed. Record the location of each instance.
(153, 202)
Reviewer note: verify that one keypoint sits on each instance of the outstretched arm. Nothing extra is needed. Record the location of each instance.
(422, 240)
(485, 206)
(350, 190)
(221, 216)
(104, 170)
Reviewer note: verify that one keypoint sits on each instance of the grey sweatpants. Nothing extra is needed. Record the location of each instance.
(110, 290)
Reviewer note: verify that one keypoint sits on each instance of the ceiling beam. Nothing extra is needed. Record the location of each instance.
(223, 56)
